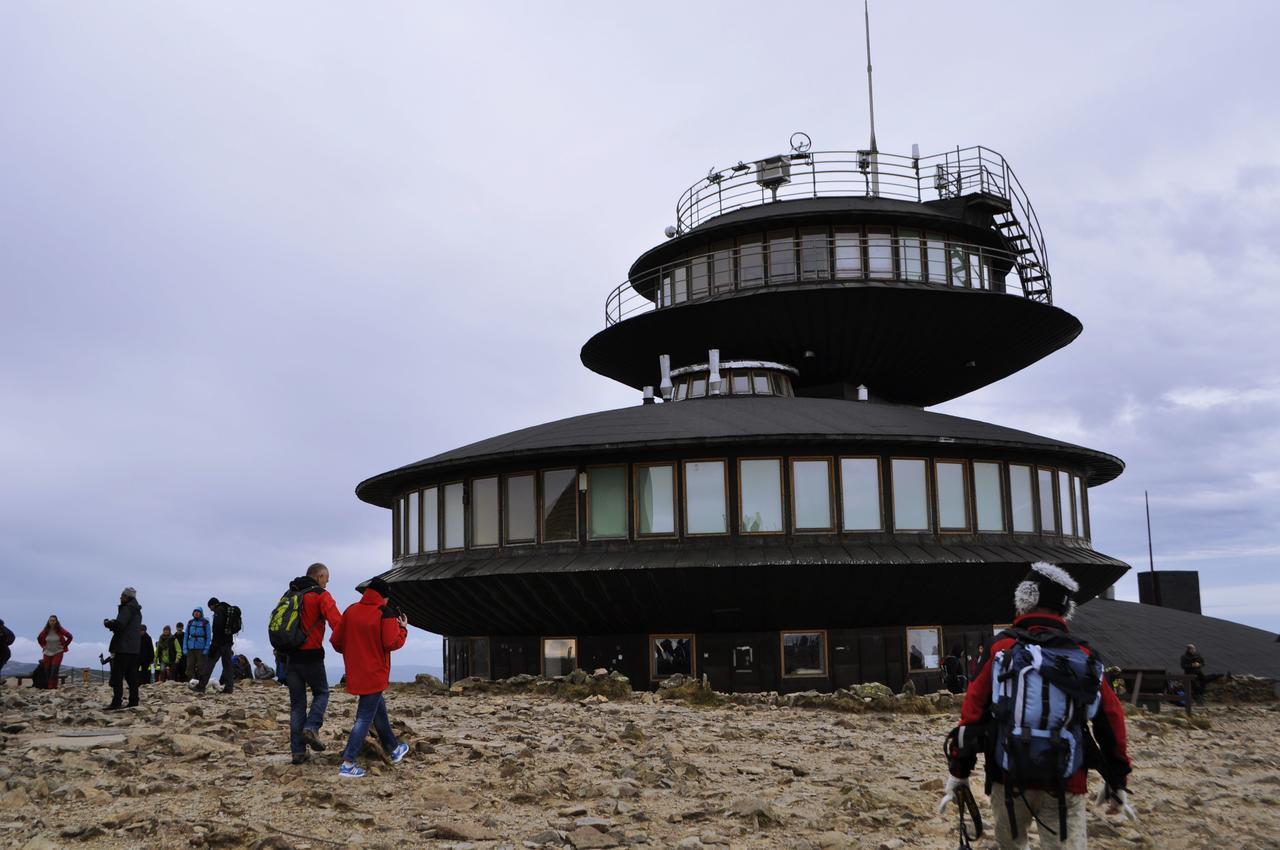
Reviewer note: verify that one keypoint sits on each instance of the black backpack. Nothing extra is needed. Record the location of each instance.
(39, 677)
(234, 621)
(6, 637)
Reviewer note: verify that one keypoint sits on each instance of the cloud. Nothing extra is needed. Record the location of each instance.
(1208, 398)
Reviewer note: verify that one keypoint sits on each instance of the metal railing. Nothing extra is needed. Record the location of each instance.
(818, 174)
(855, 259)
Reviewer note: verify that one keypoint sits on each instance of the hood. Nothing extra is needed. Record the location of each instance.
(373, 597)
(199, 611)
(131, 603)
(302, 583)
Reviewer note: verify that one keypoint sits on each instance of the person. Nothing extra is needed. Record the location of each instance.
(146, 657)
(262, 671)
(370, 630)
(179, 659)
(195, 645)
(55, 641)
(126, 642)
(221, 649)
(7, 637)
(165, 655)
(1044, 604)
(954, 678)
(240, 668)
(304, 666)
(1193, 665)
(280, 666)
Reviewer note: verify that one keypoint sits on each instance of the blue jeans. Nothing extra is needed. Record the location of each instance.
(299, 677)
(371, 710)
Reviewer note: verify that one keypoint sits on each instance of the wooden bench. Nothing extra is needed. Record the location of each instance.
(62, 678)
(1151, 686)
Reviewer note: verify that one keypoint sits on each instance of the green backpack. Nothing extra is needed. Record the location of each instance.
(285, 628)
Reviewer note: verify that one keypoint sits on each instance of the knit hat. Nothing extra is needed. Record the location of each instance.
(129, 592)
(1049, 587)
(380, 586)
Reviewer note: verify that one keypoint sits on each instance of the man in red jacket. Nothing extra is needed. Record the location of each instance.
(370, 631)
(304, 666)
(1043, 602)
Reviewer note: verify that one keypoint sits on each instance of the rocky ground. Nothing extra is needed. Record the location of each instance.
(493, 770)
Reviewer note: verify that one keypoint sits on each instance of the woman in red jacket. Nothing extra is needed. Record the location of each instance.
(55, 641)
(370, 631)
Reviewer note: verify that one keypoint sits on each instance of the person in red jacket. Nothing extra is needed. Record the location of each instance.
(1043, 602)
(304, 666)
(54, 641)
(370, 631)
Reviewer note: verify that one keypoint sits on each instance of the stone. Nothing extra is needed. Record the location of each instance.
(587, 838)
(595, 823)
(63, 743)
(462, 831)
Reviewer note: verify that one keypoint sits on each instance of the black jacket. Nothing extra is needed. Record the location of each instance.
(1189, 660)
(6, 639)
(126, 629)
(146, 651)
(218, 628)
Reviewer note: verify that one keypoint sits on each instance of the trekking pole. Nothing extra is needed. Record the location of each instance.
(964, 800)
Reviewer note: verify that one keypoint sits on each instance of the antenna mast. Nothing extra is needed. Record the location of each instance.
(871, 97)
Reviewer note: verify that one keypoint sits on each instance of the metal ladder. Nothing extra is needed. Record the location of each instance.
(1031, 270)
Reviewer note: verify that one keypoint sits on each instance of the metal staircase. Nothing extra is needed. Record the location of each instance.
(1031, 269)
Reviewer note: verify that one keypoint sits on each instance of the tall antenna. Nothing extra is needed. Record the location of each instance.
(1151, 557)
(871, 97)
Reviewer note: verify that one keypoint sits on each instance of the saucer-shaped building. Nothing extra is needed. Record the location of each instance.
(778, 511)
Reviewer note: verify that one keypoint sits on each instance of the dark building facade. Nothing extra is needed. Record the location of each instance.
(780, 511)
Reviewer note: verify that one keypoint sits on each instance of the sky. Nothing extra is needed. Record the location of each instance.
(251, 254)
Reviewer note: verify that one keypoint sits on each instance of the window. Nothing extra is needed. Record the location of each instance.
(682, 390)
(879, 253)
(655, 499)
(848, 245)
(397, 529)
(815, 264)
(680, 284)
(698, 388)
(722, 263)
(1082, 527)
(606, 502)
(760, 383)
(976, 279)
(670, 654)
(804, 654)
(811, 494)
(484, 511)
(909, 255)
(760, 496)
(700, 277)
(559, 656)
(782, 256)
(1024, 518)
(741, 383)
(431, 519)
(704, 497)
(750, 262)
(910, 495)
(411, 529)
(953, 501)
(1064, 503)
(924, 646)
(520, 512)
(936, 257)
(860, 493)
(959, 266)
(559, 505)
(454, 524)
(990, 497)
(1048, 516)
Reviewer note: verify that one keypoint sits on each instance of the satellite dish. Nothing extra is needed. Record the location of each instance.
(670, 231)
(800, 142)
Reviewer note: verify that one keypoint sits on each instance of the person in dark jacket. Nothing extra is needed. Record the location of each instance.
(126, 644)
(370, 631)
(304, 666)
(1193, 665)
(166, 655)
(222, 649)
(7, 638)
(146, 657)
(195, 646)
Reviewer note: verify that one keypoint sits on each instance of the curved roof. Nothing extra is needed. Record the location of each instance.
(736, 421)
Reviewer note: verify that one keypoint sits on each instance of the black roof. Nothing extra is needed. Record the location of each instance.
(730, 421)
(1137, 636)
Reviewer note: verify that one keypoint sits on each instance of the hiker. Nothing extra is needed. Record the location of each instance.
(126, 642)
(146, 657)
(166, 657)
(303, 660)
(1193, 665)
(223, 630)
(179, 654)
(195, 646)
(7, 637)
(261, 670)
(240, 668)
(1024, 770)
(954, 678)
(55, 641)
(370, 631)
(280, 666)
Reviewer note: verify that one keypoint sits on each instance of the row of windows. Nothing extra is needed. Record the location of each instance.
(820, 494)
(736, 382)
(824, 253)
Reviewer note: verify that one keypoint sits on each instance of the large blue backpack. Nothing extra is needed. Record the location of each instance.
(1045, 688)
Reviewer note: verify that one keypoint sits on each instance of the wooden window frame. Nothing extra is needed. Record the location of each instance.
(439, 511)
(542, 651)
(1006, 520)
(1053, 498)
(626, 499)
(965, 483)
(1034, 485)
(503, 503)
(469, 511)
(782, 497)
(831, 499)
(782, 654)
(684, 497)
(693, 653)
(397, 533)
(1070, 505)
(466, 520)
(892, 233)
(928, 497)
(824, 233)
(542, 496)
(845, 232)
(634, 500)
(900, 254)
(879, 494)
(411, 497)
(794, 239)
(906, 645)
(1084, 501)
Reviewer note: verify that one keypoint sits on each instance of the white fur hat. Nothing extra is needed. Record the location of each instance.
(1047, 586)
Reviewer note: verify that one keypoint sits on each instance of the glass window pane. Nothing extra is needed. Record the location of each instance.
(782, 256)
(722, 267)
(430, 520)
(655, 500)
(700, 277)
(936, 253)
(411, 544)
(680, 284)
(682, 390)
(741, 383)
(521, 510)
(704, 497)
(860, 493)
(760, 383)
(975, 270)
(924, 649)
(761, 483)
(698, 388)
(559, 505)
(484, 511)
(1064, 503)
(909, 255)
(910, 485)
(607, 502)
(1080, 521)
(454, 517)
(990, 505)
(671, 654)
(1048, 516)
(953, 510)
(811, 486)
(848, 247)
(959, 266)
(804, 654)
(815, 261)
(750, 262)
(1024, 520)
(397, 529)
(559, 656)
(879, 253)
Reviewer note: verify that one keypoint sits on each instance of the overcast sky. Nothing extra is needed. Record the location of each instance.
(251, 254)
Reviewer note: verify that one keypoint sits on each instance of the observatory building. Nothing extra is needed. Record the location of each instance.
(778, 511)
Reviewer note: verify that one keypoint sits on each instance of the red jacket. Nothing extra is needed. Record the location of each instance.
(367, 635)
(318, 608)
(1108, 725)
(65, 635)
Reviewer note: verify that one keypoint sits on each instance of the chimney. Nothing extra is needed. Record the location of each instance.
(664, 366)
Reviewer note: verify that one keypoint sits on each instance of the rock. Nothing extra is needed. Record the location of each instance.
(462, 831)
(585, 837)
(595, 823)
(547, 836)
(432, 683)
(693, 842)
(594, 699)
(198, 745)
(892, 844)
(67, 743)
(753, 809)
(908, 688)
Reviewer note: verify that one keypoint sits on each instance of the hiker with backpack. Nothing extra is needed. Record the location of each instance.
(54, 640)
(146, 657)
(1028, 711)
(226, 624)
(296, 630)
(166, 655)
(1192, 663)
(7, 637)
(126, 643)
(195, 645)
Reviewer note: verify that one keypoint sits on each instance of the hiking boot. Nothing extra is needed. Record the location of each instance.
(312, 740)
(398, 754)
(350, 771)
(301, 758)
(115, 706)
